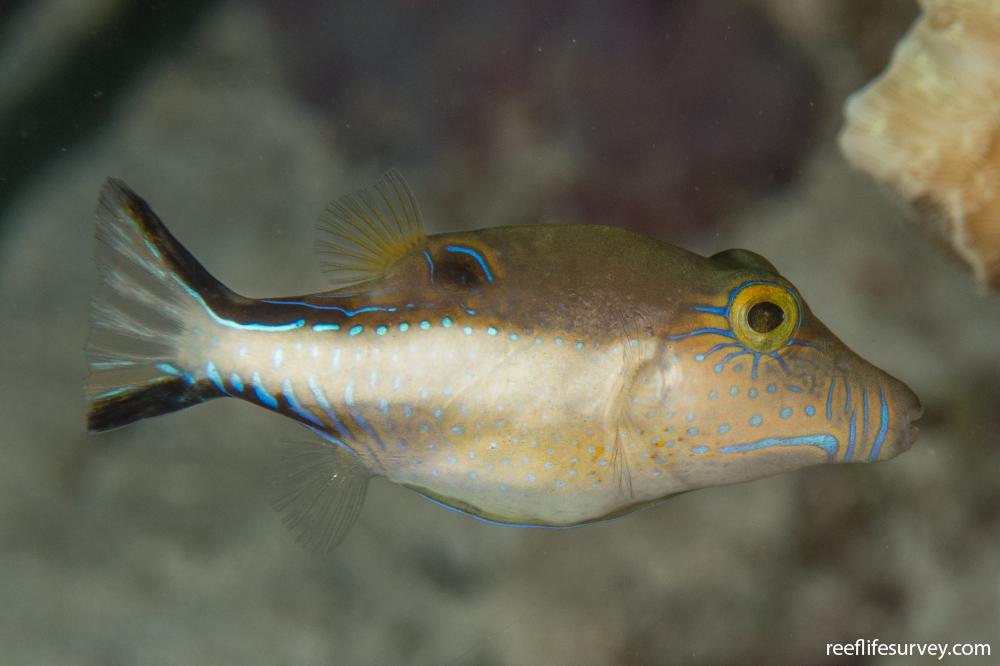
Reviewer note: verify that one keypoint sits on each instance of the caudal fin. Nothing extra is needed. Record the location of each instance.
(151, 293)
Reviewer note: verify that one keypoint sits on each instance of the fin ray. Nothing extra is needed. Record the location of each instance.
(319, 489)
(361, 235)
(140, 315)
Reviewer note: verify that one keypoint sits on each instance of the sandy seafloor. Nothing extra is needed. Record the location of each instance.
(155, 544)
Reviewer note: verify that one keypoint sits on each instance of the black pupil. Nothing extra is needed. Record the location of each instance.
(765, 317)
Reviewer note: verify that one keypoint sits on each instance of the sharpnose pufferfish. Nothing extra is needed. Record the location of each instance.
(547, 375)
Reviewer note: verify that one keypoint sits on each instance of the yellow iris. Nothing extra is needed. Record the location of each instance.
(764, 316)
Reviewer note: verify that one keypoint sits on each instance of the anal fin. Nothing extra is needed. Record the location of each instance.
(319, 489)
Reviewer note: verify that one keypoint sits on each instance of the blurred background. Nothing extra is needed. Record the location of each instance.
(709, 124)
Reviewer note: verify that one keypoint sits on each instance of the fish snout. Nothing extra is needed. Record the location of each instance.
(904, 409)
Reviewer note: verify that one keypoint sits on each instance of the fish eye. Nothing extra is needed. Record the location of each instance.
(763, 316)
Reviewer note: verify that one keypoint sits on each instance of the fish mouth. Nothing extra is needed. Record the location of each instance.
(910, 429)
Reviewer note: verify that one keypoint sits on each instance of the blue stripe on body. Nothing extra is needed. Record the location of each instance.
(326, 436)
(327, 409)
(289, 392)
(171, 370)
(864, 413)
(213, 374)
(850, 443)
(347, 312)
(261, 392)
(829, 398)
(824, 441)
(360, 420)
(298, 323)
(882, 428)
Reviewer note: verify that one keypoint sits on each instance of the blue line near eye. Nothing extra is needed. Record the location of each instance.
(777, 357)
(829, 398)
(850, 441)
(756, 362)
(709, 309)
(826, 442)
(847, 400)
(261, 392)
(430, 264)
(722, 345)
(237, 382)
(354, 330)
(289, 393)
(349, 401)
(326, 327)
(475, 255)
(213, 374)
(703, 331)
(345, 311)
(883, 427)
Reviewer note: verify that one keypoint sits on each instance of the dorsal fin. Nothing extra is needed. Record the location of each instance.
(361, 235)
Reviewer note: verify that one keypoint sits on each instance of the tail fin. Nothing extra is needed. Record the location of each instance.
(151, 292)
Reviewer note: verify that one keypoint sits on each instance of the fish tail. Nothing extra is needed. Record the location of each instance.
(152, 297)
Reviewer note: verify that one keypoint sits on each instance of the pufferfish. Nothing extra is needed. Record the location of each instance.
(547, 375)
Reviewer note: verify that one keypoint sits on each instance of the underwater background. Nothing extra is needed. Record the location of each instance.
(708, 124)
